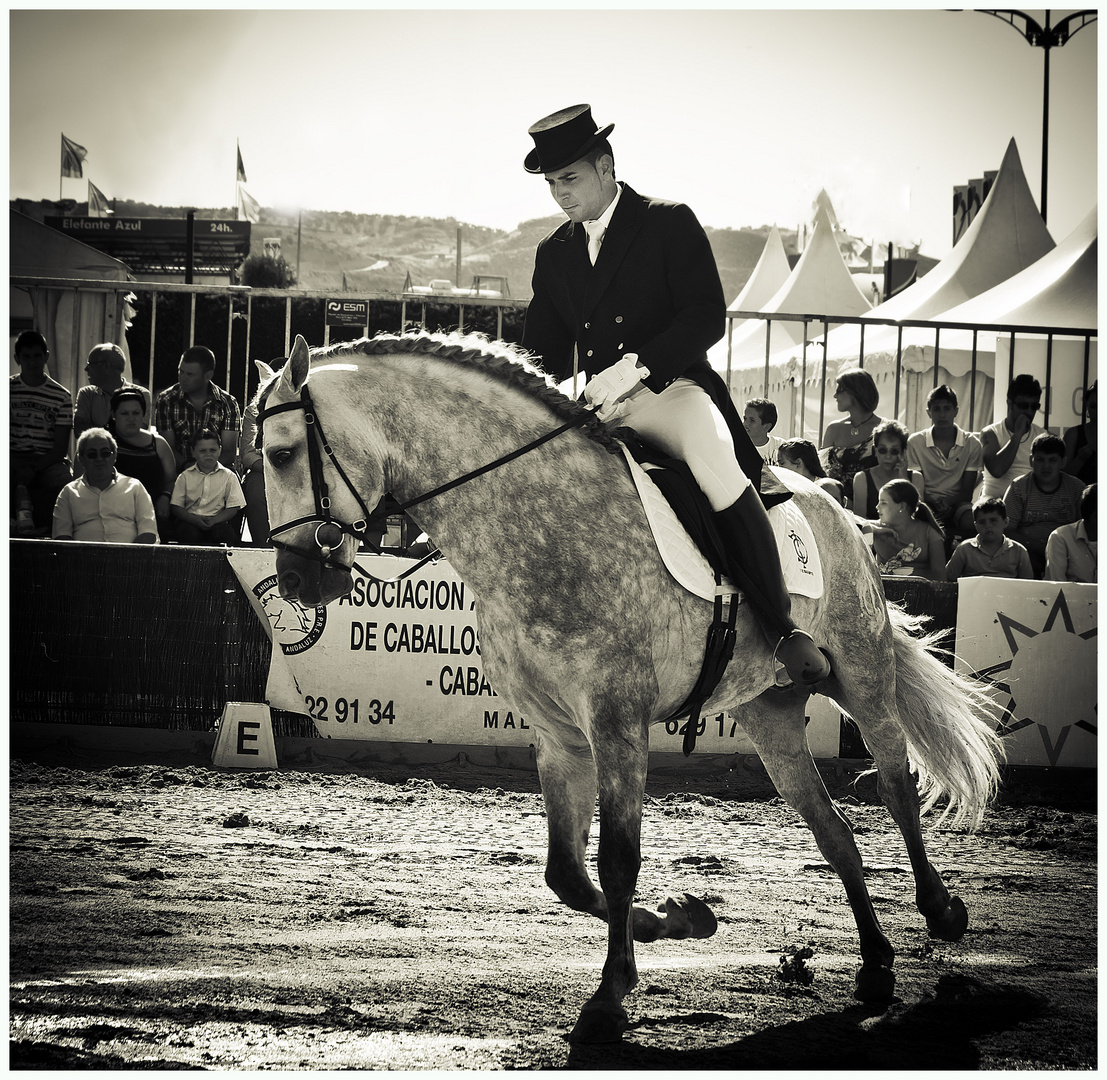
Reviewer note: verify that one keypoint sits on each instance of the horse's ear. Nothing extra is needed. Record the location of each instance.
(265, 372)
(295, 372)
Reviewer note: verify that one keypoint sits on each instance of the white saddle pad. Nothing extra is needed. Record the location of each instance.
(799, 556)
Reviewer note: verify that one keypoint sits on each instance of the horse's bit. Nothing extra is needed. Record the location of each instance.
(329, 532)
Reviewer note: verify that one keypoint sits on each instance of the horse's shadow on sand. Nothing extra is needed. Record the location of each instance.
(935, 1033)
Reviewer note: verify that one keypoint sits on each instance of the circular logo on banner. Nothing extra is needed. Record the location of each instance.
(294, 628)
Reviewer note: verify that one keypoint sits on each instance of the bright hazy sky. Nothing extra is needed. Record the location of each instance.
(742, 114)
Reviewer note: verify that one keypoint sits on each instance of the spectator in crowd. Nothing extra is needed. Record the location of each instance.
(1071, 550)
(251, 472)
(1043, 499)
(989, 553)
(847, 446)
(104, 367)
(39, 424)
(1006, 445)
(909, 540)
(195, 403)
(759, 418)
(142, 453)
(103, 504)
(890, 447)
(800, 456)
(950, 460)
(207, 497)
(1081, 441)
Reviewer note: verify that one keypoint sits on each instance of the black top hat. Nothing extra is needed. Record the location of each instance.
(562, 138)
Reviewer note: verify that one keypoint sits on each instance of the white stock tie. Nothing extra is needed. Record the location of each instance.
(595, 237)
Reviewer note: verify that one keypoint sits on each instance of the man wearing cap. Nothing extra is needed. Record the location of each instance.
(104, 368)
(630, 283)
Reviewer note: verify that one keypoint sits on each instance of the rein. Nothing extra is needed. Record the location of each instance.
(325, 539)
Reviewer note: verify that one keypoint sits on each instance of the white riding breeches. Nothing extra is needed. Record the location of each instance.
(684, 422)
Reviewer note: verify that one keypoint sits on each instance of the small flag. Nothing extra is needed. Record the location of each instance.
(71, 157)
(247, 207)
(97, 202)
(241, 174)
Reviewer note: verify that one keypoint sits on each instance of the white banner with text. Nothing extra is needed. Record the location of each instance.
(399, 661)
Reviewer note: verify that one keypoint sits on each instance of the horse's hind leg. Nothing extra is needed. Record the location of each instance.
(567, 772)
(946, 917)
(774, 722)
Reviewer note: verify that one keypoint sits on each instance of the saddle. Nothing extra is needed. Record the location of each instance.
(693, 566)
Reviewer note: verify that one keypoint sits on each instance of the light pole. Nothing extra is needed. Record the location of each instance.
(1044, 38)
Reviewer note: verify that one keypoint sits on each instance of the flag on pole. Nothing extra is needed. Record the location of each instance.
(240, 175)
(97, 202)
(247, 207)
(71, 157)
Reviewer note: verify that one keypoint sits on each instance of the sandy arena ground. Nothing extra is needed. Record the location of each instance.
(194, 918)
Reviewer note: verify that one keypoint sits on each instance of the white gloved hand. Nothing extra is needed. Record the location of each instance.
(610, 387)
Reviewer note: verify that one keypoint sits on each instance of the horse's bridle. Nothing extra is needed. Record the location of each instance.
(329, 531)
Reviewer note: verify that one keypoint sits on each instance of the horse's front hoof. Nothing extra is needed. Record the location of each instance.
(875, 983)
(598, 1024)
(687, 916)
(951, 924)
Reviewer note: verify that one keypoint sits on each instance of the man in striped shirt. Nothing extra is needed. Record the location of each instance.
(40, 424)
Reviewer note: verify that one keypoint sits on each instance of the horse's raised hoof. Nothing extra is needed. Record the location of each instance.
(597, 1024)
(875, 983)
(687, 916)
(951, 924)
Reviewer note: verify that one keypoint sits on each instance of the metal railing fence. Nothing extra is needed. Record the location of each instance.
(241, 324)
(828, 320)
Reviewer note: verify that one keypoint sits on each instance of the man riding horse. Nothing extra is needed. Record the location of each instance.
(631, 283)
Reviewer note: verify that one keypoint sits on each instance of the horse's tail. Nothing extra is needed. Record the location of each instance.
(951, 738)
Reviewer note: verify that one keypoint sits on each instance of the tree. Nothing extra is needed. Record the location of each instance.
(265, 272)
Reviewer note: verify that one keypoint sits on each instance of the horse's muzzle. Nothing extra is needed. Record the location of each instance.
(309, 583)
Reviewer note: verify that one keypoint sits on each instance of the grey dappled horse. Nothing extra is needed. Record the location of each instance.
(584, 631)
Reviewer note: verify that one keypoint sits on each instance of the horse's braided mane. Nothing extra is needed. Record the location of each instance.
(505, 362)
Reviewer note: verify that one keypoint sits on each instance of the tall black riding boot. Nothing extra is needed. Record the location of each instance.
(752, 552)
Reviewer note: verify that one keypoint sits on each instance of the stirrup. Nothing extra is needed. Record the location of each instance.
(811, 676)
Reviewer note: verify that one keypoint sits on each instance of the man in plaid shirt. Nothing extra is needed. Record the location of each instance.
(195, 403)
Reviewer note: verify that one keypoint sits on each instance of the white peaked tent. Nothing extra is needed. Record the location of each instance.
(70, 323)
(1059, 290)
(1006, 236)
(820, 282)
(770, 273)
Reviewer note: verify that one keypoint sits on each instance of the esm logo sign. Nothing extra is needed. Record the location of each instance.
(347, 313)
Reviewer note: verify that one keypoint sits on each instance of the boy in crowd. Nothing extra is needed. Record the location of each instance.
(1007, 444)
(759, 418)
(1043, 499)
(989, 553)
(950, 461)
(1072, 550)
(207, 496)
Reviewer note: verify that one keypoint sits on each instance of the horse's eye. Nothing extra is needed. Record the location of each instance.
(280, 458)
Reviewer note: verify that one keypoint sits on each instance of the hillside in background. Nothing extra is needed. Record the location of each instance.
(377, 252)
